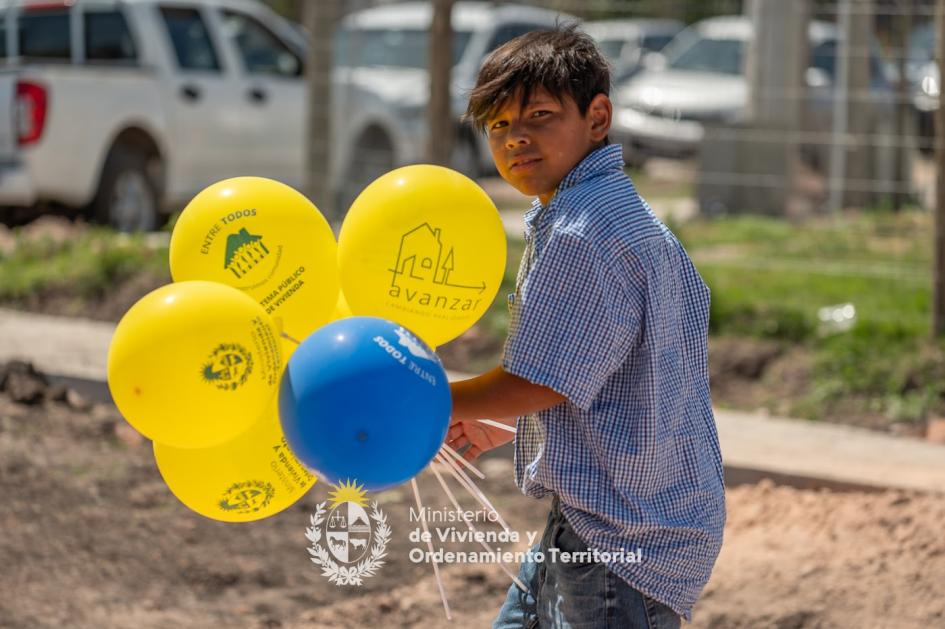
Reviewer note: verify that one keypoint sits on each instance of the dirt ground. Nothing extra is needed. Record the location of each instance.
(91, 537)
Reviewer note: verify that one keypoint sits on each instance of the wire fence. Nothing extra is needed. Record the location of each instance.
(880, 118)
(811, 188)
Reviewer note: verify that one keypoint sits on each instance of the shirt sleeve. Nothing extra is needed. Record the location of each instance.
(575, 320)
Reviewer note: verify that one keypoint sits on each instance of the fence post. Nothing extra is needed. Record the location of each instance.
(938, 268)
(440, 115)
(852, 160)
(904, 123)
(775, 67)
(751, 165)
(320, 19)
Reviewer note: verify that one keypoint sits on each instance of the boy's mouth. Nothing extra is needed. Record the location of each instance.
(523, 163)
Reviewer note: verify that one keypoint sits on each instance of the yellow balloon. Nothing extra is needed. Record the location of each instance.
(194, 364)
(266, 239)
(249, 478)
(342, 309)
(423, 246)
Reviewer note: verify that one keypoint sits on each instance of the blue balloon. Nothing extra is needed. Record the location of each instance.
(363, 399)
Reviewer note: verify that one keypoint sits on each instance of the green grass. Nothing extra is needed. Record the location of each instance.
(87, 265)
(770, 277)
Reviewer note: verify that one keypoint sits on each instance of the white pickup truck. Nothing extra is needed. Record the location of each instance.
(127, 108)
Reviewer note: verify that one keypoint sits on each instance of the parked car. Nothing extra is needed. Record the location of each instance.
(129, 108)
(628, 44)
(384, 84)
(664, 112)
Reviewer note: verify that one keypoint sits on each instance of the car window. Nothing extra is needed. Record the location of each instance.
(3, 35)
(508, 32)
(921, 45)
(398, 48)
(824, 57)
(260, 50)
(45, 34)
(722, 56)
(108, 38)
(611, 48)
(656, 43)
(193, 48)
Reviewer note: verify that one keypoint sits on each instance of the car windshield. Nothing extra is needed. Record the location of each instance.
(921, 46)
(720, 56)
(399, 48)
(656, 43)
(611, 48)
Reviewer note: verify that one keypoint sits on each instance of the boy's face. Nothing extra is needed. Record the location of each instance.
(535, 146)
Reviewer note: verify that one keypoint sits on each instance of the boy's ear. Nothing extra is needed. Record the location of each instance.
(599, 114)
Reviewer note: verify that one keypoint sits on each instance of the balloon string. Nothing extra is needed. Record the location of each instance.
(455, 455)
(286, 336)
(426, 534)
(469, 486)
(472, 528)
(492, 422)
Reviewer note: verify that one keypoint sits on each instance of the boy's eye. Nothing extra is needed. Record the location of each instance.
(498, 124)
(540, 113)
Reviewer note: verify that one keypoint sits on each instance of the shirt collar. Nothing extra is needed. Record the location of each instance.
(607, 157)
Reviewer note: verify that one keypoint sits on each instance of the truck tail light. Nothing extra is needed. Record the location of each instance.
(31, 101)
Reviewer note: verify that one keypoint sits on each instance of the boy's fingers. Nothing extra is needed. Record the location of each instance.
(471, 453)
(455, 431)
(459, 443)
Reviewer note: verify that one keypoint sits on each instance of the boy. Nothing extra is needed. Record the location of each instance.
(605, 365)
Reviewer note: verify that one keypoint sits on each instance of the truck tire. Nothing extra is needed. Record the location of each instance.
(127, 198)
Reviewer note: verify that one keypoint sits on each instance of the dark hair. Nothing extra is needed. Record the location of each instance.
(563, 60)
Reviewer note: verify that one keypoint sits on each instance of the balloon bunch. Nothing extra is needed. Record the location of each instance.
(211, 368)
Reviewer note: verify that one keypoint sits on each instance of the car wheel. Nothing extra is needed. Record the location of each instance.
(127, 198)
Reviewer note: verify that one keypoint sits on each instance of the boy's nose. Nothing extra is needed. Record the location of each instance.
(516, 137)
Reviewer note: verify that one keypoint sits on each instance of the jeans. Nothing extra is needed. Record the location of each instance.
(577, 595)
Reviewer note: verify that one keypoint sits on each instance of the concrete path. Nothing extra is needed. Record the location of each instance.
(835, 454)
(753, 446)
(73, 348)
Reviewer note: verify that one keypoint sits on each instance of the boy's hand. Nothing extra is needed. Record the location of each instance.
(478, 436)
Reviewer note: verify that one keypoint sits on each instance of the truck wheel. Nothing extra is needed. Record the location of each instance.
(127, 198)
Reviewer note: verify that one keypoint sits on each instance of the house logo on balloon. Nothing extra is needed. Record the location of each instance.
(423, 274)
(244, 252)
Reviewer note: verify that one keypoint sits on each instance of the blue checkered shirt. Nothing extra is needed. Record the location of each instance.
(610, 312)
